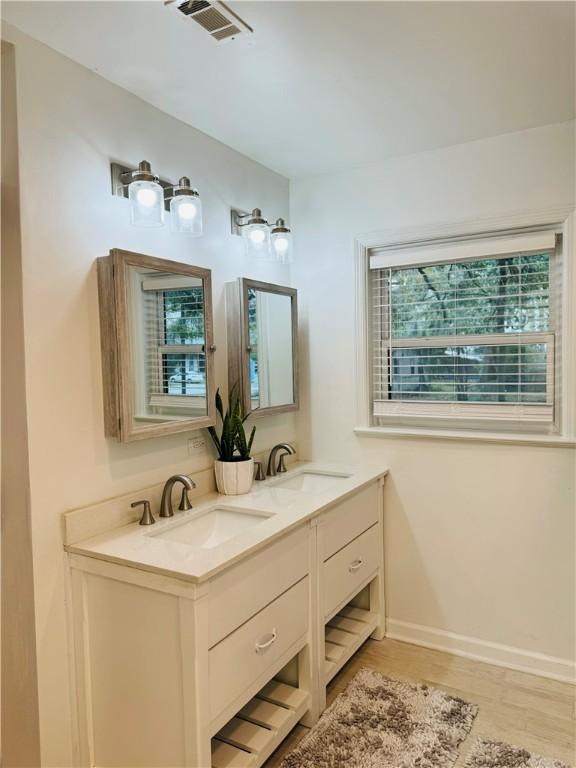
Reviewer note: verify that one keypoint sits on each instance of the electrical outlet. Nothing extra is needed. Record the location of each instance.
(196, 444)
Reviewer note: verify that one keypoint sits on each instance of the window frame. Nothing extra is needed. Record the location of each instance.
(562, 326)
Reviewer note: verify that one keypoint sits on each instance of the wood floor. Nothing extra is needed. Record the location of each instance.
(516, 707)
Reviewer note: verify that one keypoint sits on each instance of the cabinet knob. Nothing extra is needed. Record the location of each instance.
(355, 565)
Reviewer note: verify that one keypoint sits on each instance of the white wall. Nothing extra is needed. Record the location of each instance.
(71, 124)
(479, 537)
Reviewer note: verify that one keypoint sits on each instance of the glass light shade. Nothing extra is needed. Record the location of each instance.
(281, 243)
(186, 213)
(146, 203)
(257, 240)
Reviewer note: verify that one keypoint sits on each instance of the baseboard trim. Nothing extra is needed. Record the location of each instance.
(483, 650)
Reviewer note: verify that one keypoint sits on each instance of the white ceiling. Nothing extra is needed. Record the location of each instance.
(323, 86)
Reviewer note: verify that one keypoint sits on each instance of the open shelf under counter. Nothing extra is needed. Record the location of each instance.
(249, 738)
(344, 633)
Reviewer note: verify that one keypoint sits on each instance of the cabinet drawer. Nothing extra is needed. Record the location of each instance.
(238, 660)
(347, 569)
(349, 519)
(243, 590)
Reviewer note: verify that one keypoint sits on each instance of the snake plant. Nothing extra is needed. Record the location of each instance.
(232, 444)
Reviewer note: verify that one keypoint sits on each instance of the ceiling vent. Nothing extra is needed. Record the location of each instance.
(221, 23)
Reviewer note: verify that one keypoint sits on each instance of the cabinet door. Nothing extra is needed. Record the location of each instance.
(157, 346)
(263, 345)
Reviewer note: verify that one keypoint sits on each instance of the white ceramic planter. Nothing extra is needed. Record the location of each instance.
(234, 477)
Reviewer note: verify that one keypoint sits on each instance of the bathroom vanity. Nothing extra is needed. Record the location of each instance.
(203, 639)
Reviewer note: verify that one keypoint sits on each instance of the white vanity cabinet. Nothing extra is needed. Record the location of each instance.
(171, 670)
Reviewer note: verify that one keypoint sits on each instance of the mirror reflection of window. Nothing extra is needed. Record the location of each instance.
(253, 343)
(181, 318)
(270, 337)
(169, 346)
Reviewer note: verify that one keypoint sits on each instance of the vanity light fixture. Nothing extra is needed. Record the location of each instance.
(146, 196)
(262, 240)
(150, 196)
(256, 234)
(281, 242)
(186, 208)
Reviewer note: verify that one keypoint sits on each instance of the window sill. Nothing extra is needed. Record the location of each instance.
(551, 441)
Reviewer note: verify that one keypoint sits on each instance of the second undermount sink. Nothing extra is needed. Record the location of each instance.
(312, 482)
(212, 528)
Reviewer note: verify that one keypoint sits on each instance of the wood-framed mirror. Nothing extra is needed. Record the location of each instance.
(262, 321)
(156, 333)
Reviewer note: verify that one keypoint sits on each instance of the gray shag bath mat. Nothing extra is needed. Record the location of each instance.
(382, 723)
(497, 754)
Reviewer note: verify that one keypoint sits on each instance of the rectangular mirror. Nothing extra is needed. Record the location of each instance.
(157, 345)
(263, 345)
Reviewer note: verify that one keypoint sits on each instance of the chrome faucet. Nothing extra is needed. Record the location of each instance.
(286, 449)
(166, 509)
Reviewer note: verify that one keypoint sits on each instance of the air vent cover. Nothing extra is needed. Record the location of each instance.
(221, 23)
(193, 6)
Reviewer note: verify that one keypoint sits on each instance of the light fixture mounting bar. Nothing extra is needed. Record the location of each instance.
(236, 216)
(120, 187)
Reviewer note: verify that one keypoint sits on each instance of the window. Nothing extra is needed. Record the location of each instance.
(466, 330)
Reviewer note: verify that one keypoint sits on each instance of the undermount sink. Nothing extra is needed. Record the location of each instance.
(311, 482)
(212, 528)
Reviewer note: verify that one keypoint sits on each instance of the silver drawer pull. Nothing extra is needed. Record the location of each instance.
(355, 565)
(266, 641)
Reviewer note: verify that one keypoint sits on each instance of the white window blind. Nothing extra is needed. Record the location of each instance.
(465, 330)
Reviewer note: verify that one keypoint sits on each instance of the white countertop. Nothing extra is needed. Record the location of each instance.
(140, 547)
